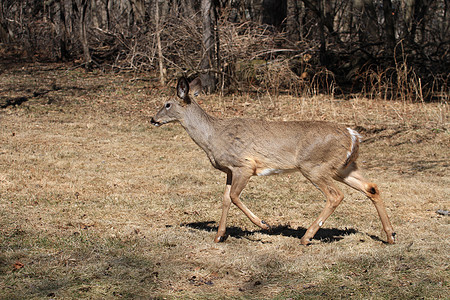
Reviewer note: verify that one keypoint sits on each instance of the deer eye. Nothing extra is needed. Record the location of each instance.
(168, 105)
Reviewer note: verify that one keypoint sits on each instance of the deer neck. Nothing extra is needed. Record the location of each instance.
(198, 124)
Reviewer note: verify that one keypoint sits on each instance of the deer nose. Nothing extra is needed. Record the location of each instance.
(153, 122)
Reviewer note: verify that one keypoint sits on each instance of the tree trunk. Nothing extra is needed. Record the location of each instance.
(83, 34)
(293, 23)
(4, 33)
(139, 10)
(206, 64)
(389, 29)
(366, 21)
(323, 43)
(107, 16)
(274, 12)
(419, 9)
(63, 38)
(319, 11)
(158, 42)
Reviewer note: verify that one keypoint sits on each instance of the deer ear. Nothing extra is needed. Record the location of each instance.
(196, 86)
(183, 90)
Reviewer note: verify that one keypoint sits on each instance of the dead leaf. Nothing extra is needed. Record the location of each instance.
(18, 265)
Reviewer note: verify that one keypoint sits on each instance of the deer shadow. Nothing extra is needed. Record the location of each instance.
(326, 235)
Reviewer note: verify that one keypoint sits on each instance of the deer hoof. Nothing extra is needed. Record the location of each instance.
(391, 238)
(265, 226)
(305, 241)
(220, 238)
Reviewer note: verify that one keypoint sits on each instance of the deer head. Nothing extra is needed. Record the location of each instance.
(173, 110)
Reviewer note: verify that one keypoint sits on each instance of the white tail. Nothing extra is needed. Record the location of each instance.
(323, 152)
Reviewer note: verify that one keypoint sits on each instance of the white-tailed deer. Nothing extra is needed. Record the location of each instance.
(323, 152)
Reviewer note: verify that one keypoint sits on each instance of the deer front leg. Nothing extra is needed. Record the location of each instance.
(220, 236)
(236, 182)
(240, 180)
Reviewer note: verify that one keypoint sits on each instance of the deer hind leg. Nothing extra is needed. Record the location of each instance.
(353, 178)
(236, 182)
(334, 198)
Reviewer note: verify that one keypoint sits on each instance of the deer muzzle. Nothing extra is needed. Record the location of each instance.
(153, 122)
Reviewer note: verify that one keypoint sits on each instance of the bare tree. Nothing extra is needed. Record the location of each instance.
(82, 7)
(206, 64)
(5, 34)
(63, 33)
(158, 42)
(389, 26)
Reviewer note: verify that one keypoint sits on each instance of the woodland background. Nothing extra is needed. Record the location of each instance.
(380, 48)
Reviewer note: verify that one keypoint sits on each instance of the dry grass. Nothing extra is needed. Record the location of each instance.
(95, 203)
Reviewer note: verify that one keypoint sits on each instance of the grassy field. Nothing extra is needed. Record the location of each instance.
(96, 203)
